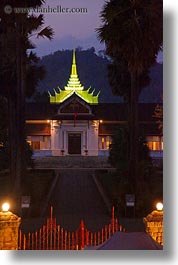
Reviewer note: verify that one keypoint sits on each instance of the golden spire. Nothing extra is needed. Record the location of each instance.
(74, 66)
(74, 82)
(74, 57)
(74, 86)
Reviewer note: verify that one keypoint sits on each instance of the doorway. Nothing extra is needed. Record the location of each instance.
(74, 143)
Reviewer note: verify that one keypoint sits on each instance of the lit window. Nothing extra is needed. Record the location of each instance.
(154, 146)
(108, 141)
(150, 145)
(105, 142)
(102, 143)
(36, 145)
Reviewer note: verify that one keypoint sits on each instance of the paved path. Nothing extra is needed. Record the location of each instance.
(76, 197)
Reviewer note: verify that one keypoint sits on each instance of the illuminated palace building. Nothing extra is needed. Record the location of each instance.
(75, 123)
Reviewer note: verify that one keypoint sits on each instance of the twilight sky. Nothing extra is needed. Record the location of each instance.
(72, 30)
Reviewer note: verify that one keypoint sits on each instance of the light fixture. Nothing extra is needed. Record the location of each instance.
(101, 121)
(5, 207)
(159, 206)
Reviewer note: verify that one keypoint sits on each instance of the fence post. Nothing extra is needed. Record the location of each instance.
(82, 231)
(95, 239)
(58, 237)
(99, 236)
(9, 226)
(91, 239)
(116, 225)
(102, 235)
(112, 221)
(87, 237)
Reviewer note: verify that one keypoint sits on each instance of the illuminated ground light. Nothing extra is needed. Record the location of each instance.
(159, 206)
(5, 207)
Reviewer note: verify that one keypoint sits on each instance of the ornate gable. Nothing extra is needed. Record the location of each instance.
(74, 105)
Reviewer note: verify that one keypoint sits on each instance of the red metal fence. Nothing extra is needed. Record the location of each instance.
(53, 237)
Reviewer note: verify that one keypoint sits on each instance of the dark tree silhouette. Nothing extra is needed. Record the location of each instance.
(16, 30)
(132, 32)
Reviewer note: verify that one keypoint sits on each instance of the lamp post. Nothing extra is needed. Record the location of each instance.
(5, 207)
(159, 206)
(154, 223)
(9, 225)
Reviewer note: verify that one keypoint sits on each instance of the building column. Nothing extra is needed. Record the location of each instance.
(9, 227)
(55, 138)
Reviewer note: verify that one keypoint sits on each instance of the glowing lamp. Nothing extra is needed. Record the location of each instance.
(5, 207)
(159, 206)
(101, 121)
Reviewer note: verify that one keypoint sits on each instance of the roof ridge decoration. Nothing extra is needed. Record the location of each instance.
(74, 87)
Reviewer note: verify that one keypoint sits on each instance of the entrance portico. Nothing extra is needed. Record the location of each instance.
(81, 139)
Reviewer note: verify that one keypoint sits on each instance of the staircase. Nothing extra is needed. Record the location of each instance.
(98, 162)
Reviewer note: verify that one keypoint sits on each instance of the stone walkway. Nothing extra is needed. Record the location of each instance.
(76, 197)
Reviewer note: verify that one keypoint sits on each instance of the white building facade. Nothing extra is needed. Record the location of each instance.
(74, 123)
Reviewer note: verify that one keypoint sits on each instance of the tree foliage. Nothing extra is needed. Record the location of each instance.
(119, 150)
(133, 32)
(4, 143)
(3, 134)
(149, 180)
(158, 114)
(29, 25)
(17, 64)
(120, 79)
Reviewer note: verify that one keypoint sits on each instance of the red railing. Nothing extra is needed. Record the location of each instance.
(53, 237)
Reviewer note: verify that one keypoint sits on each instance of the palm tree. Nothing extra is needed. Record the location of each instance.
(120, 80)
(132, 31)
(16, 64)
